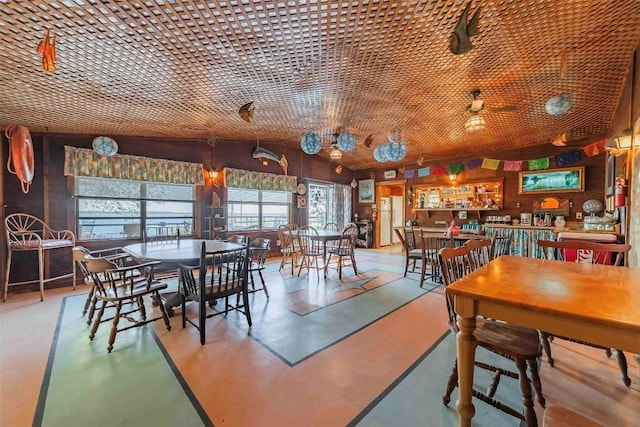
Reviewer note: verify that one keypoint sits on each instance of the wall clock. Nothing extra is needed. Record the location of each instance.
(302, 189)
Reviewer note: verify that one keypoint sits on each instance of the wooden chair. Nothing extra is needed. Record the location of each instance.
(115, 285)
(228, 277)
(501, 245)
(310, 249)
(331, 226)
(513, 342)
(431, 244)
(115, 255)
(161, 234)
(412, 253)
(479, 252)
(25, 232)
(258, 251)
(590, 253)
(288, 247)
(346, 248)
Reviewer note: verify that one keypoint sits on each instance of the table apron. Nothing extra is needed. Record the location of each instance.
(595, 332)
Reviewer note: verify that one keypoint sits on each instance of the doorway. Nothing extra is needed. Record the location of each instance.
(390, 199)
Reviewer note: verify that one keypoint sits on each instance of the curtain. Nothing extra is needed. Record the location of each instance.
(342, 204)
(238, 178)
(85, 162)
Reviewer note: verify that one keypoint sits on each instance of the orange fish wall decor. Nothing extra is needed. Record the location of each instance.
(47, 48)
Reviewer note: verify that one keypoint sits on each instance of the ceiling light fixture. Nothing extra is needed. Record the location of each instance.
(476, 122)
(453, 177)
(335, 154)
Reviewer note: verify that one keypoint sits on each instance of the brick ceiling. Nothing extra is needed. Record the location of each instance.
(182, 69)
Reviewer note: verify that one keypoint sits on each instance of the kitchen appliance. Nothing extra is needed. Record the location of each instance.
(525, 218)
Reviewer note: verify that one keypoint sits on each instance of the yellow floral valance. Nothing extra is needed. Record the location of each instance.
(238, 178)
(84, 162)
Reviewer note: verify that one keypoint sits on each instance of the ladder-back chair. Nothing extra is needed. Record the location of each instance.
(513, 342)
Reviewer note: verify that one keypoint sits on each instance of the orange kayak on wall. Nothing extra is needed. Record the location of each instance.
(20, 154)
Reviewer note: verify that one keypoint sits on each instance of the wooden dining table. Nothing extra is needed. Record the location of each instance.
(595, 303)
(174, 252)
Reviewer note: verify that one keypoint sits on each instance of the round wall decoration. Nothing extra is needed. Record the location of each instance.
(104, 146)
(346, 142)
(558, 104)
(396, 151)
(311, 143)
(380, 153)
(302, 189)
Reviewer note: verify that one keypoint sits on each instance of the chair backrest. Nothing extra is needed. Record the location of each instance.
(285, 237)
(431, 243)
(161, 234)
(479, 251)
(331, 226)
(79, 252)
(229, 273)
(348, 240)
(99, 271)
(585, 251)
(293, 226)
(410, 238)
(21, 230)
(455, 263)
(501, 245)
(258, 250)
(308, 244)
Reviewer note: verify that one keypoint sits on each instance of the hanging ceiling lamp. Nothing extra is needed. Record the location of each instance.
(380, 153)
(335, 154)
(475, 123)
(346, 141)
(311, 143)
(396, 151)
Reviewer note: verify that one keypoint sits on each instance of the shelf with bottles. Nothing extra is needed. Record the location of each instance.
(473, 196)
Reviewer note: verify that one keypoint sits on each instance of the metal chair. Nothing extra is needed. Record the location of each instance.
(26, 232)
(589, 253)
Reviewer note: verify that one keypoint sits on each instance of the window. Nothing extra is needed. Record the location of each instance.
(257, 209)
(116, 209)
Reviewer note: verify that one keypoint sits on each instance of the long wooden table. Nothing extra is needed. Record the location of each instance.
(595, 303)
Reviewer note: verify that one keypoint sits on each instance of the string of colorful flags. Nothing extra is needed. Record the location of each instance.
(564, 159)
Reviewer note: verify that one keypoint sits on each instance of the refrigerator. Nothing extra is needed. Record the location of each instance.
(391, 215)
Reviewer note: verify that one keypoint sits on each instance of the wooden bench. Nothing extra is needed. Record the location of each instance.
(25, 232)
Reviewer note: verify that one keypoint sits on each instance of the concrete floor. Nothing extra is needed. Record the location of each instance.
(367, 350)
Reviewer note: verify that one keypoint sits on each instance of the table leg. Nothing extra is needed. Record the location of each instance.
(466, 343)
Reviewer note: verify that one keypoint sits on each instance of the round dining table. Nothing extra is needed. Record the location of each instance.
(174, 252)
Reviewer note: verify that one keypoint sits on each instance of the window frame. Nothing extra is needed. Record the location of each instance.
(260, 204)
(142, 218)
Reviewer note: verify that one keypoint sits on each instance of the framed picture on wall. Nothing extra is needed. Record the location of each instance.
(611, 175)
(567, 180)
(302, 202)
(366, 191)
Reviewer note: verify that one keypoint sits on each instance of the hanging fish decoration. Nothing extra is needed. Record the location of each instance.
(47, 48)
(246, 111)
(284, 164)
(368, 141)
(459, 42)
(264, 154)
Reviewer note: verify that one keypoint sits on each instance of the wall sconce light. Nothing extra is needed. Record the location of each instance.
(213, 174)
(453, 177)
